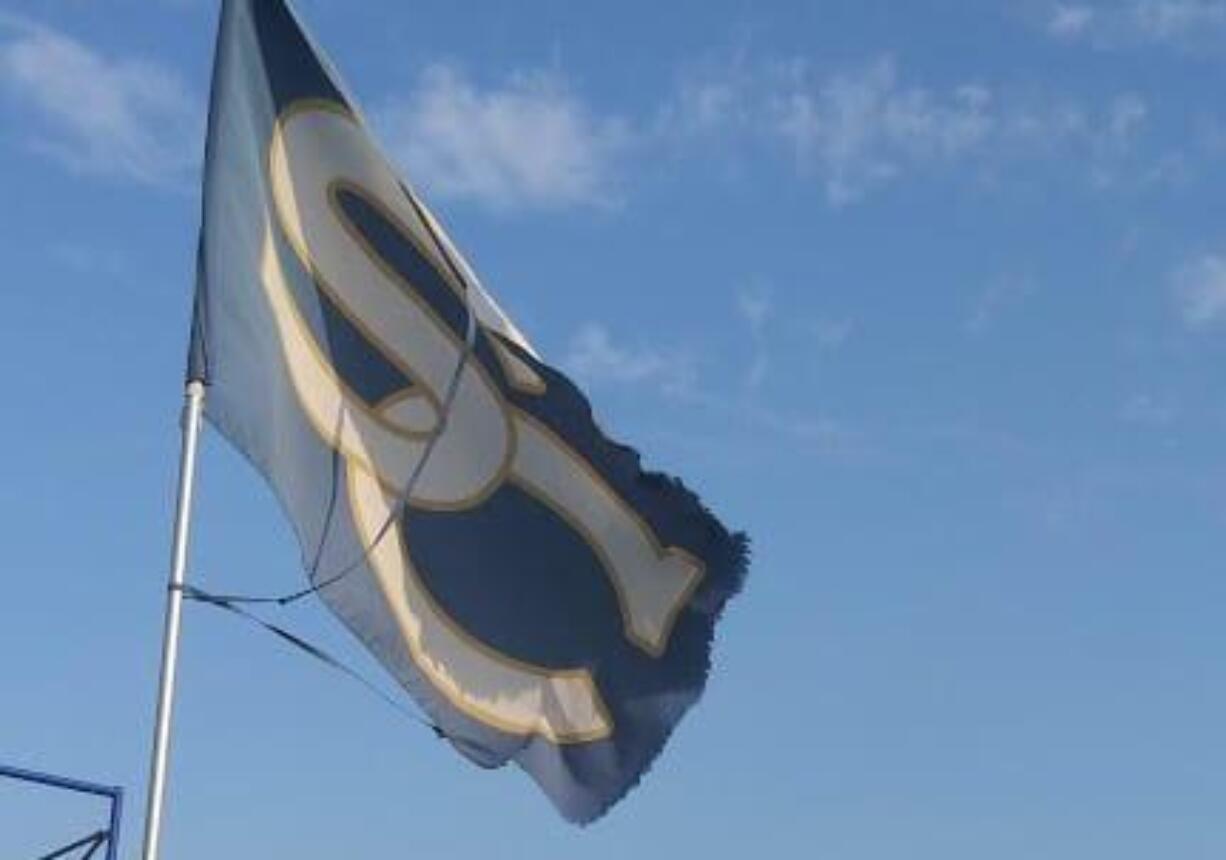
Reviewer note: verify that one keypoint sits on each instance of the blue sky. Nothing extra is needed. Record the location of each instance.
(930, 298)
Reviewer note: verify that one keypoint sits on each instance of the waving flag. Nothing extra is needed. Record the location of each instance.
(537, 593)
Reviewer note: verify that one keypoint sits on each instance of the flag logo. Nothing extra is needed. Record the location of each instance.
(542, 597)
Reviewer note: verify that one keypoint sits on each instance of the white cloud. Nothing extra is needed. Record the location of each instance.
(831, 334)
(765, 338)
(756, 309)
(1146, 410)
(1211, 135)
(1126, 116)
(115, 116)
(1113, 142)
(1181, 23)
(1200, 290)
(998, 298)
(861, 127)
(709, 99)
(1173, 19)
(1070, 21)
(530, 142)
(594, 358)
(815, 434)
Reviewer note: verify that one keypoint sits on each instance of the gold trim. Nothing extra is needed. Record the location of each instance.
(511, 363)
(410, 393)
(700, 571)
(349, 398)
(486, 716)
(306, 259)
(308, 336)
(360, 463)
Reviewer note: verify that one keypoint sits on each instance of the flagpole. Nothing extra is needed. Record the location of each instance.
(192, 411)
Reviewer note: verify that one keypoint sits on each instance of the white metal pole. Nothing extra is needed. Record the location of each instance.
(192, 411)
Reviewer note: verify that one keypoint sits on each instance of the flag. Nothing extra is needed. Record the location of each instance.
(539, 595)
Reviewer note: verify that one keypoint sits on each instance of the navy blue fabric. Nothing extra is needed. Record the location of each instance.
(509, 570)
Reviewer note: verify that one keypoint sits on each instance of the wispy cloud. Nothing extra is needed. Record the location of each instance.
(1200, 291)
(997, 299)
(121, 117)
(1173, 23)
(756, 308)
(815, 434)
(1070, 21)
(830, 334)
(594, 357)
(527, 142)
(859, 128)
(1126, 115)
(1123, 122)
(710, 99)
(1173, 19)
(95, 260)
(1147, 411)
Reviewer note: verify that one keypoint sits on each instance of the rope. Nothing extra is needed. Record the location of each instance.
(234, 603)
(93, 849)
(94, 841)
(402, 500)
(228, 605)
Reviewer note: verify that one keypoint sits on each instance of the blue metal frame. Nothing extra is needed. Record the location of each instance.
(111, 793)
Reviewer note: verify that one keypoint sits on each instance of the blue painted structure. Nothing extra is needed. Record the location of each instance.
(111, 793)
